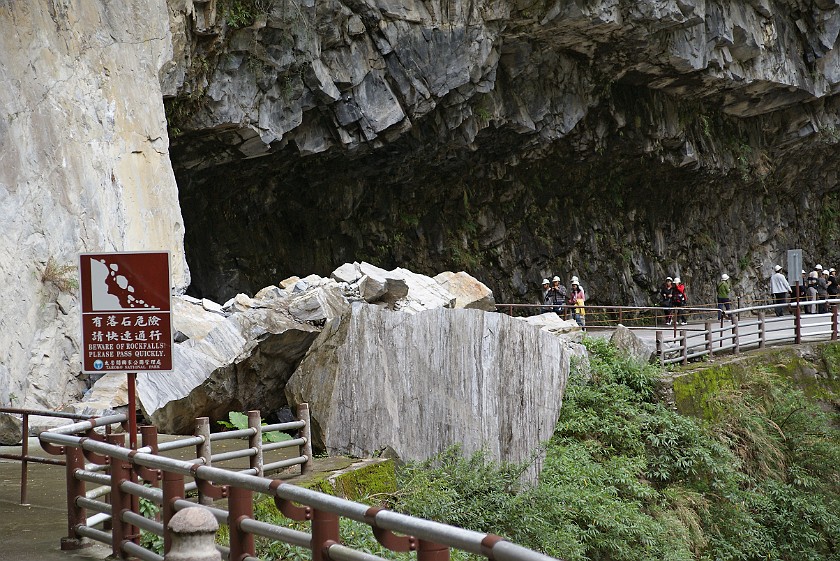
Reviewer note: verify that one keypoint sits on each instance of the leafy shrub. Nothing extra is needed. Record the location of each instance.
(238, 421)
(624, 478)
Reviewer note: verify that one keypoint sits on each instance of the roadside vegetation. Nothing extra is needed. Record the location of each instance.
(627, 478)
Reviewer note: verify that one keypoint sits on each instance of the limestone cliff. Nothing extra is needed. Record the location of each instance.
(620, 140)
(85, 167)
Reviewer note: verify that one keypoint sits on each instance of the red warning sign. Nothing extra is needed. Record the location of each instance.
(126, 312)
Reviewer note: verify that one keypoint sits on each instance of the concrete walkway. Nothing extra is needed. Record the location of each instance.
(33, 532)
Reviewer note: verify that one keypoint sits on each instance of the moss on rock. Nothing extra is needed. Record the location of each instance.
(815, 369)
(351, 479)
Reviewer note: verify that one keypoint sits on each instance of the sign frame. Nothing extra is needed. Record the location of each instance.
(126, 311)
(794, 266)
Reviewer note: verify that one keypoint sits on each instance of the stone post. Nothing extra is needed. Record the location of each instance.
(193, 534)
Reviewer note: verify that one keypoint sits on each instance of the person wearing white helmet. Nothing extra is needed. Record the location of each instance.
(822, 290)
(780, 288)
(666, 297)
(680, 300)
(724, 290)
(556, 296)
(577, 298)
(833, 288)
(546, 286)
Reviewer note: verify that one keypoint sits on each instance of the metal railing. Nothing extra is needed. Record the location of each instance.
(136, 474)
(24, 457)
(598, 316)
(734, 334)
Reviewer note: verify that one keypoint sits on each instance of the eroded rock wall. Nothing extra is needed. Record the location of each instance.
(618, 140)
(85, 167)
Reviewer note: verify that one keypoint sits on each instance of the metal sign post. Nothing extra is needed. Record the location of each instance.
(126, 317)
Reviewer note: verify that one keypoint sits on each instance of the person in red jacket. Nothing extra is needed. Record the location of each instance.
(679, 301)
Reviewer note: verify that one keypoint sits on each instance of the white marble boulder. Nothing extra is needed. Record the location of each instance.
(469, 292)
(420, 383)
(231, 363)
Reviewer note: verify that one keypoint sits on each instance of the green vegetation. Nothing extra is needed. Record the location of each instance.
(627, 478)
(238, 421)
(62, 277)
(150, 541)
(243, 13)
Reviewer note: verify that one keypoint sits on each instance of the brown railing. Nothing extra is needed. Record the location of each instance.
(143, 473)
(24, 457)
(754, 330)
(611, 316)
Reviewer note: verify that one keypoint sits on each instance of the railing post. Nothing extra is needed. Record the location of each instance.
(74, 459)
(324, 529)
(193, 532)
(120, 501)
(255, 442)
(684, 345)
(735, 338)
(173, 489)
(24, 452)
(761, 330)
(659, 350)
(241, 505)
(797, 323)
(834, 322)
(305, 433)
(203, 451)
(709, 339)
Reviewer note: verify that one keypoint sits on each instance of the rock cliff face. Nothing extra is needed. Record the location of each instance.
(85, 167)
(620, 140)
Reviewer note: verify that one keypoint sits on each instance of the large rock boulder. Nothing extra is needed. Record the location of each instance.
(420, 383)
(238, 363)
(239, 355)
(398, 289)
(631, 345)
(107, 396)
(10, 428)
(469, 292)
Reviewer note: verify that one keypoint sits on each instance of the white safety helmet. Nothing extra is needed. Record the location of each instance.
(676, 280)
(545, 281)
(724, 277)
(575, 280)
(555, 279)
(777, 268)
(668, 279)
(818, 267)
(813, 275)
